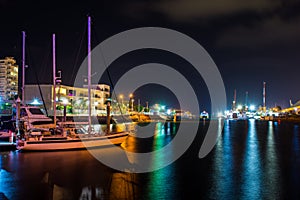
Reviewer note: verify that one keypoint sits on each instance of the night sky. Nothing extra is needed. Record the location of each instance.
(250, 42)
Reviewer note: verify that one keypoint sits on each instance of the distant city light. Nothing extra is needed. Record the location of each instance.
(220, 114)
(239, 107)
(169, 111)
(252, 107)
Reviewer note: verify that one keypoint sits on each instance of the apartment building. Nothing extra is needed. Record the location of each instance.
(8, 78)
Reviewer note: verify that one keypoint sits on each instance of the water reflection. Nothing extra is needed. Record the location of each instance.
(251, 186)
(161, 181)
(6, 184)
(223, 170)
(296, 146)
(251, 160)
(271, 177)
(56, 175)
(295, 161)
(240, 167)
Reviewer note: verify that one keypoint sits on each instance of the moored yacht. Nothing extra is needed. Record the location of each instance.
(38, 137)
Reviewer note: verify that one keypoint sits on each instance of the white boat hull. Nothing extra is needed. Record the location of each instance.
(72, 143)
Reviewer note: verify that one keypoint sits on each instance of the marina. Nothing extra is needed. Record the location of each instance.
(149, 100)
(250, 160)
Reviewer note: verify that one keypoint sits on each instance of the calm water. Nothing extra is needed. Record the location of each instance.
(251, 160)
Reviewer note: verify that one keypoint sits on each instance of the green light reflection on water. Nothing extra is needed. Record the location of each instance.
(162, 182)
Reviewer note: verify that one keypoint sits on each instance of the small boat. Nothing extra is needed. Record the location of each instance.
(34, 117)
(204, 115)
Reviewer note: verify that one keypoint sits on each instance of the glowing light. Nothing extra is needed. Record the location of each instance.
(239, 107)
(169, 111)
(220, 114)
(65, 101)
(252, 107)
(35, 101)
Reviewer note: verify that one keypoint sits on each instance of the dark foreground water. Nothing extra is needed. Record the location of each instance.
(251, 160)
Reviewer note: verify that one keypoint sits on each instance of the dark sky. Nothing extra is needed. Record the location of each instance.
(250, 41)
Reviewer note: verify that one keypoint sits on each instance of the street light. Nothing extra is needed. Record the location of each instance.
(131, 101)
(65, 103)
(121, 97)
(239, 107)
(252, 107)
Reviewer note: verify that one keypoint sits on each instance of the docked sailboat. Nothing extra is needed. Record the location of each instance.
(81, 137)
(67, 136)
(36, 141)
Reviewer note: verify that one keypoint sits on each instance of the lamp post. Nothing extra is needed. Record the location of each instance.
(23, 67)
(65, 103)
(121, 97)
(131, 101)
(108, 117)
(54, 80)
(121, 107)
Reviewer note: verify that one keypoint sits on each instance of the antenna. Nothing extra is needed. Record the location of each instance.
(23, 67)
(234, 100)
(89, 72)
(291, 104)
(246, 100)
(264, 96)
(54, 81)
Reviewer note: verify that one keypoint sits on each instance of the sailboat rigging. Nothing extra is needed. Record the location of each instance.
(40, 140)
(112, 85)
(89, 74)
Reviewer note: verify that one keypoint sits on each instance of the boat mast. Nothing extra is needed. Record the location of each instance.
(264, 96)
(54, 81)
(234, 101)
(246, 100)
(89, 73)
(23, 67)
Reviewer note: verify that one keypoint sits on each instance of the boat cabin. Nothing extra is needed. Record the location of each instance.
(33, 117)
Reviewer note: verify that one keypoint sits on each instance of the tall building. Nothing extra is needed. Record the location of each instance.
(8, 78)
